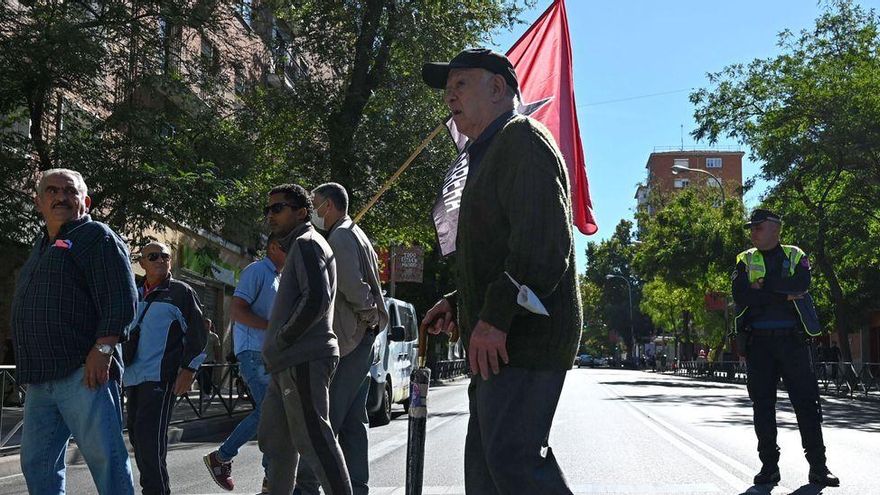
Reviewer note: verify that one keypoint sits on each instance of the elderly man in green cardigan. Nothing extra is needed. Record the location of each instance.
(514, 230)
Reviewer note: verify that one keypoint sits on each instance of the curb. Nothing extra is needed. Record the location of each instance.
(10, 465)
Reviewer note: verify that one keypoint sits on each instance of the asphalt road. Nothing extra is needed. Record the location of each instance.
(616, 432)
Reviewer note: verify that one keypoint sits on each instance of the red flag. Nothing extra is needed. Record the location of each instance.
(542, 59)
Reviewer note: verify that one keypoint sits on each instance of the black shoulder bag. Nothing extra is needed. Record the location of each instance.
(129, 347)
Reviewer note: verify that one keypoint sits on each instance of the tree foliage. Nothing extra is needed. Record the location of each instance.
(810, 116)
(113, 90)
(688, 250)
(357, 115)
(606, 301)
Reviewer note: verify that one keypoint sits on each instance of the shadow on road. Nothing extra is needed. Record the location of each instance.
(768, 490)
(855, 415)
(681, 384)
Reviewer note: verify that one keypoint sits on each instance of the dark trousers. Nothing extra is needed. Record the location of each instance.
(295, 424)
(348, 417)
(506, 449)
(149, 411)
(788, 357)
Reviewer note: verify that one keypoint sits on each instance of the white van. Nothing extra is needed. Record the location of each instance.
(394, 358)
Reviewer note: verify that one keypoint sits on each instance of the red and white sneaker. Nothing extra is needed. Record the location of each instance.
(220, 471)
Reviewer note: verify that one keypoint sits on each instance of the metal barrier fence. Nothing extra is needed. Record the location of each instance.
(219, 385)
(442, 370)
(839, 378)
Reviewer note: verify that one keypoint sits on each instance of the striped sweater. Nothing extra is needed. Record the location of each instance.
(516, 217)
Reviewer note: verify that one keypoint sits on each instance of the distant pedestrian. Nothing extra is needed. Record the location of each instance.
(834, 359)
(775, 315)
(301, 352)
(74, 299)
(166, 346)
(213, 354)
(514, 227)
(250, 310)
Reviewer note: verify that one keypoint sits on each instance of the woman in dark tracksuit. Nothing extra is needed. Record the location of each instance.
(165, 349)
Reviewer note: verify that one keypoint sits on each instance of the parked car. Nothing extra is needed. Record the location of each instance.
(600, 361)
(584, 360)
(394, 358)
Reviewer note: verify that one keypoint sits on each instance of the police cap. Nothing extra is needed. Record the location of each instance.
(760, 216)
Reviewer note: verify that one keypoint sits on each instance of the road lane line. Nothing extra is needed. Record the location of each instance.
(679, 437)
(628, 489)
(397, 441)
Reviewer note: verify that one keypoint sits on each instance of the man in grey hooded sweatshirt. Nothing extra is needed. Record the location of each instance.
(301, 352)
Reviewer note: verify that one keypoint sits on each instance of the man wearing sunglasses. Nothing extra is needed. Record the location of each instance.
(74, 298)
(301, 352)
(166, 345)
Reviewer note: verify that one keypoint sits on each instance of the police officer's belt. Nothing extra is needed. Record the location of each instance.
(776, 332)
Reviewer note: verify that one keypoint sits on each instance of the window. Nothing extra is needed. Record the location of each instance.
(681, 162)
(209, 57)
(245, 10)
(710, 182)
(681, 183)
(240, 84)
(169, 37)
(713, 162)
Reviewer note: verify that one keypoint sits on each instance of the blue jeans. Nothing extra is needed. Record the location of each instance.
(252, 369)
(56, 409)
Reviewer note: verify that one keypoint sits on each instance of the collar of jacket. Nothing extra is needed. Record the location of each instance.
(287, 240)
(68, 227)
(163, 285)
(345, 218)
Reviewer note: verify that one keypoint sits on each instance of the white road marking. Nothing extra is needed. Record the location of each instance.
(678, 438)
(634, 489)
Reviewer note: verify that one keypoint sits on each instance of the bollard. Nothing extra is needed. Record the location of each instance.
(418, 417)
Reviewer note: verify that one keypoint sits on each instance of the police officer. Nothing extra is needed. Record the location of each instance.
(775, 315)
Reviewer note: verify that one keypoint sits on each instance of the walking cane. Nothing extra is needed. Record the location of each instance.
(418, 417)
(419, 381)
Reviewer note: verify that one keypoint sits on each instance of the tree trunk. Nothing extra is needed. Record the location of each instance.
(368, 69)
(838, 300)
(37, 109)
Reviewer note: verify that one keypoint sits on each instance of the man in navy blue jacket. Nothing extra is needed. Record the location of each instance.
(169, 337)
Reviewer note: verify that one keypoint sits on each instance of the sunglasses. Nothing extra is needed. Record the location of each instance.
(156, 256)
(277, 208)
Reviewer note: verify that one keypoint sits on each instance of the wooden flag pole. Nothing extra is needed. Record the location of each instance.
(406, 164)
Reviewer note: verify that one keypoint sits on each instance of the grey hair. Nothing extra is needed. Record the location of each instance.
(162, 246)
(73, 174)
(335, 193)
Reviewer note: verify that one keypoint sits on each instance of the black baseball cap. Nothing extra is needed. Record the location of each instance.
(435, 74)
(760, 216)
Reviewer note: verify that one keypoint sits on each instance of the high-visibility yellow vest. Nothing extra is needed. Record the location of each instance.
(757, 269)
(754, 261)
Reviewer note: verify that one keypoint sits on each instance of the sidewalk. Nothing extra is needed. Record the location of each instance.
(186, 425)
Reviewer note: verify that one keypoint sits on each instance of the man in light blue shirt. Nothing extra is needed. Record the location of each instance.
(250, 309)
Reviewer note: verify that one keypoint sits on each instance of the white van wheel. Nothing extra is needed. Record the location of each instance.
(383, 415)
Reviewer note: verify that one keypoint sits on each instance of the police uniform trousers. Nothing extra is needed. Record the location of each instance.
(775, 354)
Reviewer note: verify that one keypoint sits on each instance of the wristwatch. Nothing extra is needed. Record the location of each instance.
(105, 349)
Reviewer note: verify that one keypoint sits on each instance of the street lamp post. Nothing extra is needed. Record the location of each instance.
(632, 332)
(684, 168)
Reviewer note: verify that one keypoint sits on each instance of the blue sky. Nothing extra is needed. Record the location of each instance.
(632, 48)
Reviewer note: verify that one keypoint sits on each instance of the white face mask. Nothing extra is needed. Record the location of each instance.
(317, 221)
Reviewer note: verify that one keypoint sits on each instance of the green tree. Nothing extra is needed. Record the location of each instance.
(688, 249)
(362, 108)
(609, 307)
(110, 89)
(810, 115)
